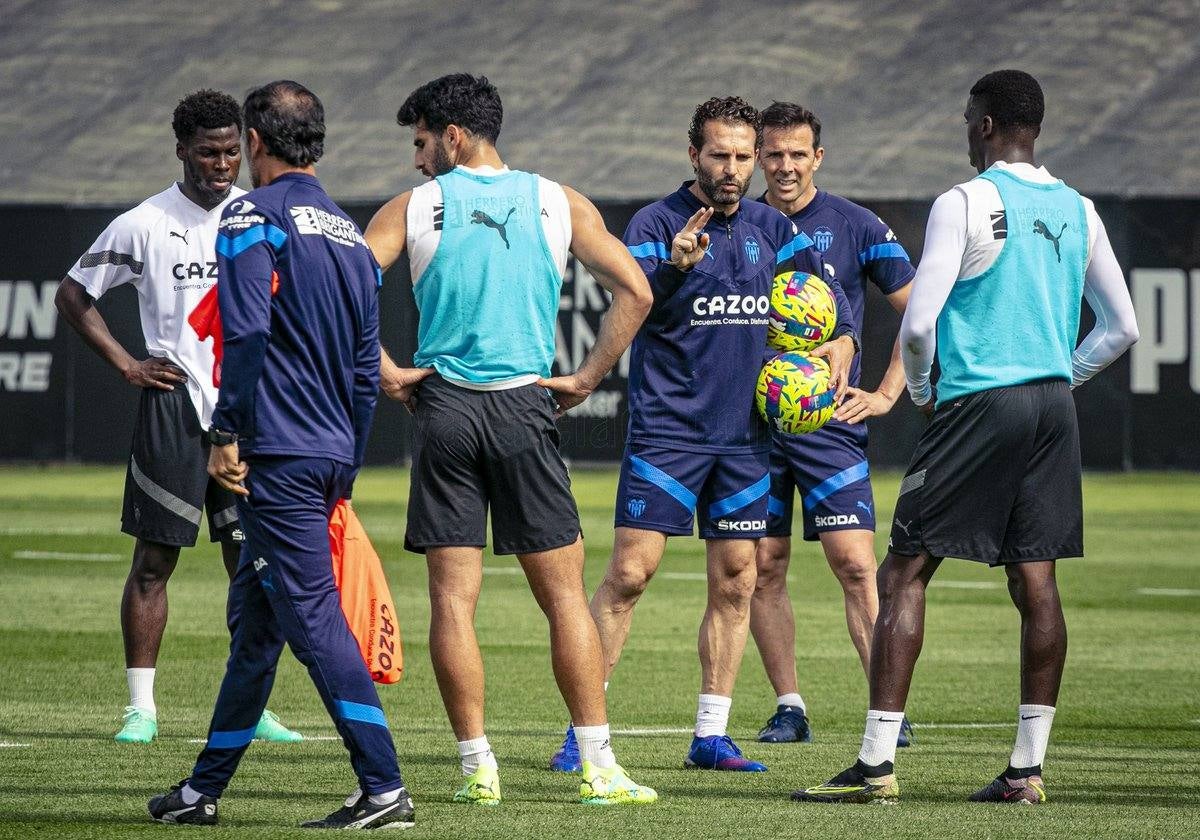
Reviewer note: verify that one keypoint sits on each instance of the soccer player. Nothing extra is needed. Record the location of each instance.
(164, 248)
(487, 247)
(298, 296)
(696, 444)
(828, 466)
(995, 477)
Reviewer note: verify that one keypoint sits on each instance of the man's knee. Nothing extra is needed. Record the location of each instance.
(152, 566)
(772, 560)
(900, 573)
(854, 569)
(733, 580)
(626, 579)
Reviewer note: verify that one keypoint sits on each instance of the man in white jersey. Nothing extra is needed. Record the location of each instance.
(996, 476)
(164, 248)
(488, 247)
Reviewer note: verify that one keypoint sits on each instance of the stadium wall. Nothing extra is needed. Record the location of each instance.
(59, 401)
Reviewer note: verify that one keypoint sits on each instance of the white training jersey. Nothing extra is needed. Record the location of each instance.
(165, 248)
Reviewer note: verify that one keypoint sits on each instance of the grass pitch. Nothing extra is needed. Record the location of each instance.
(1123, 761)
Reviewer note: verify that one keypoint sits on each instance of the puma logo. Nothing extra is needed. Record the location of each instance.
(865, 507)
(182, 236)
(1039, 227)
(903, 526)
(478, 217)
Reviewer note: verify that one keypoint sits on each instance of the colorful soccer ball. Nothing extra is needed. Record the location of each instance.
(793, 393)
(803, 312)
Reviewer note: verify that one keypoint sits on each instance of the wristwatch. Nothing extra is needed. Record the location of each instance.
(853, 340)
(216, 437)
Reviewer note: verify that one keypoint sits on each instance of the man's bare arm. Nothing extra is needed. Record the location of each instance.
(610, 263)
(388, 229)
(78, 309)
(861, 404)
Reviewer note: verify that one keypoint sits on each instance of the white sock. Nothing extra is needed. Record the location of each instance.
(1033, 733)
(475, 753)
(190, 797)
(595, 745)
(879, 738)
(141, 690)
(794, 700)
(385, 798)
(712, 715)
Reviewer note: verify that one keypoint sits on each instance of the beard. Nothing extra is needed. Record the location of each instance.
(711, 187)
(441, 160)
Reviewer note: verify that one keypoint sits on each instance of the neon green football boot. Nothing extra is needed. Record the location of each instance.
(612, 787)
(140, 727)
(480, 788)
(270, 729)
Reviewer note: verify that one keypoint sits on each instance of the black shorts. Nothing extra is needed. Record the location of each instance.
(478, 449)
(167, 480)
(995, 478)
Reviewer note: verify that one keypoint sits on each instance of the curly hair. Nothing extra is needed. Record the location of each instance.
(729, 109)
(469, 102)
(289, 118)
(791, 115)
(205, 109)
(1012, 98)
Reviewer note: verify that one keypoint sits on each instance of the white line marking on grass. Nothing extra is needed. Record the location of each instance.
(503, 570)
(965, 584)
(1174, 593)
(666, 730)
(64, 555)
(684, 576)
(63, 530)
(12, 746)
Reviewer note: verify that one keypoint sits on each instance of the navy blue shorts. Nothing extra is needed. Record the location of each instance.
(829, 468)
(661, 489)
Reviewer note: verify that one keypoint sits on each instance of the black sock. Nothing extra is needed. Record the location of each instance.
(883, 768)
(1015, 773)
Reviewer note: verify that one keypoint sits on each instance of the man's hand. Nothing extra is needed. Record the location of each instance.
(927, 408)
(225, 466)
(401, 383)
(569, 391)
(689, 245)
(154, 373)
(839, 353)
(860, 404)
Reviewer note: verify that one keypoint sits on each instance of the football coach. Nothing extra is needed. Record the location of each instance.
(298, 296)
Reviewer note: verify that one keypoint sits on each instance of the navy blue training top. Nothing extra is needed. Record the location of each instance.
(298, 291)
(695, 361)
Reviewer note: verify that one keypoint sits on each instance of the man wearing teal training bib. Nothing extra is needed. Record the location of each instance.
(487, 247)
(995, 478)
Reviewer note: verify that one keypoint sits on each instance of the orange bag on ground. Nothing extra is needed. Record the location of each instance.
(366, 600)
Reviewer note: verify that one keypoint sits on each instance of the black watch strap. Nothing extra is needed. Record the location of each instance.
(217, 437)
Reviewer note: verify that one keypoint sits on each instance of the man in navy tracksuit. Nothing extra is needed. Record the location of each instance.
(298, 296)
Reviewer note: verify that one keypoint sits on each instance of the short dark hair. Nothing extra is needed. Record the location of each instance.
(788, 115)
(470, 102)
(205, 109)
(728, 109)
(1012, 98)
(289, 118)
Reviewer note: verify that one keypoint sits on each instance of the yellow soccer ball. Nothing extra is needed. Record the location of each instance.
(803, 312)
(794, 395)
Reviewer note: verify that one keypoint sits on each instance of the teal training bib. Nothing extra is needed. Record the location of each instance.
(1019, 320)
(489, 299)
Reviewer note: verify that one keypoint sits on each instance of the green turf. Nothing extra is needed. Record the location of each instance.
(1124, 758)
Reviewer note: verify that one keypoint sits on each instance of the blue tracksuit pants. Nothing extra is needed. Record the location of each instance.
(284, 591)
